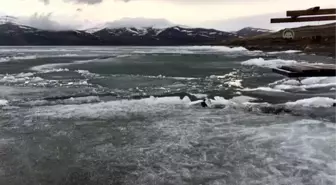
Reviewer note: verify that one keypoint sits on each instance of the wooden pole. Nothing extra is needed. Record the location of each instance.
(311, 11)
(304, 19)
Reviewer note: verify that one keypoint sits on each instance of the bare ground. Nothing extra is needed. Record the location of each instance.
(311, 39)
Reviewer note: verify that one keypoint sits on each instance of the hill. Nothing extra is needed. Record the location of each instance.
(315, 39)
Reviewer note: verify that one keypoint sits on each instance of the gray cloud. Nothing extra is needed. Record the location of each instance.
(46, 2)
(45, 22)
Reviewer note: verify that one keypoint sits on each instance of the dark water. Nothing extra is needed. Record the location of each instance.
(132, 115)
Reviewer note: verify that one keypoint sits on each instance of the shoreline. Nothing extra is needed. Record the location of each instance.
(309, 49)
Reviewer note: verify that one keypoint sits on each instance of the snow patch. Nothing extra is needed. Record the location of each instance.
(53, 70)
(269, 89)
(20, 78)
(31, 57)
(268, 63)
(288, 51)
(220, 102)
(314, 102)
(70, 101)
(306, 84)
(235, 83)
(3, 102)
(7, 59)
(47, 67)
(121, 109)
(87, 73)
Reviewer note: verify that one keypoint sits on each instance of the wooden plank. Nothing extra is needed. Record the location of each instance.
(300, 69)
(305, 74)
(297, 13)
(304, 19)
(309, 67)
(307, 70)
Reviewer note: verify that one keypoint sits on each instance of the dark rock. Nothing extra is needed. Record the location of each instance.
(203, 104)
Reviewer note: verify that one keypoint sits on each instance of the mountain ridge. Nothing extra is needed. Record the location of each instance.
(12, 33)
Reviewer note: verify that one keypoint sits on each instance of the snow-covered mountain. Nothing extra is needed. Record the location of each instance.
(128, 31)
(153, 31)
(11, 25)
(175, 35)
(250, 31)
(131, 23)
(140, 25)
(159, 33)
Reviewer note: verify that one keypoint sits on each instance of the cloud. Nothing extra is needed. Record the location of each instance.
(46, 2)
(46, 22)
(139, 22)
(50, 21)
(256, 21)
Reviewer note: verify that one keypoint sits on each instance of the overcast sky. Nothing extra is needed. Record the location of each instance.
(213, 13)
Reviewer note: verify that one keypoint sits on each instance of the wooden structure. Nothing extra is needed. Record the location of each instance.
(311, 14)
(306, 70)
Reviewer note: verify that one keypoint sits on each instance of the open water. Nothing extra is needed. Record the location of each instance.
(132, 116)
